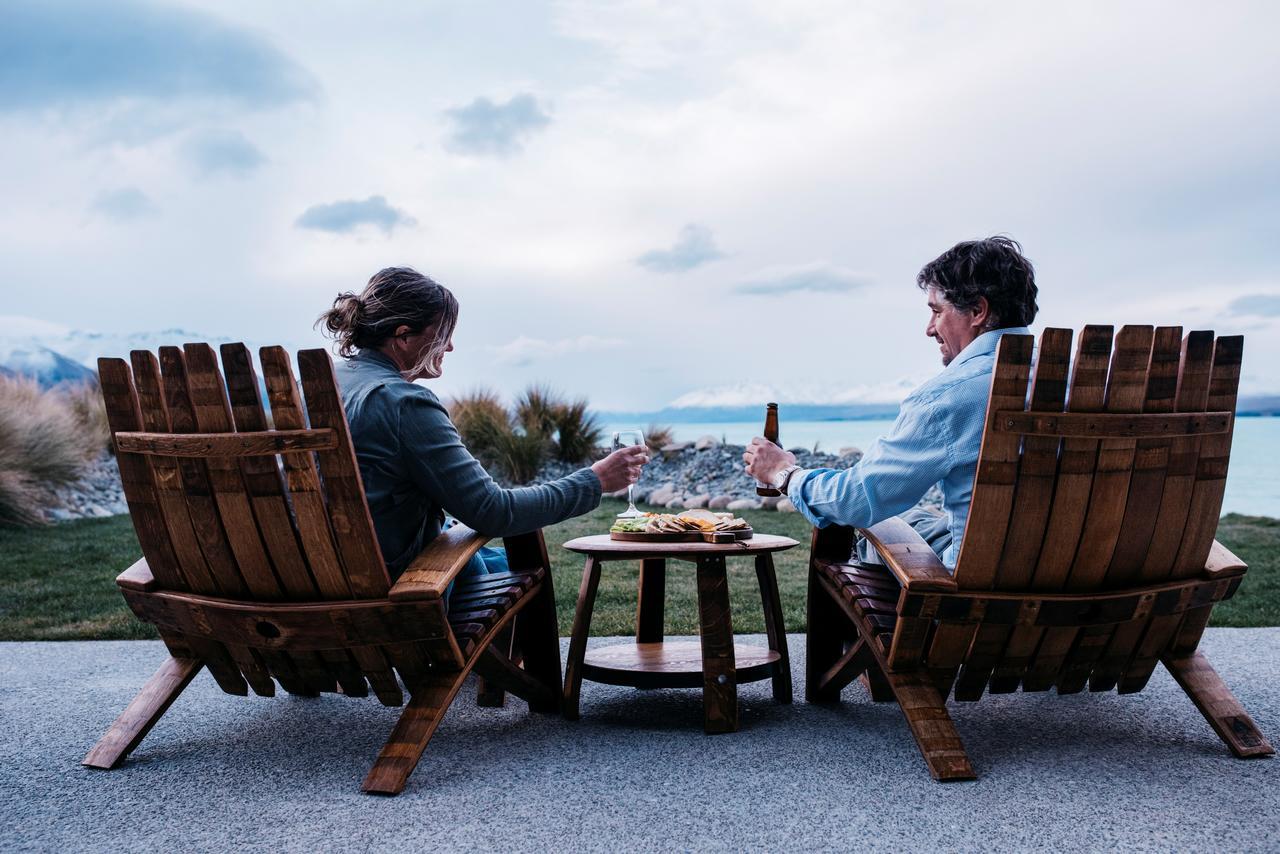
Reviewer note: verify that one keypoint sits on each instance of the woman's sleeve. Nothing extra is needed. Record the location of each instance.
(444, 469)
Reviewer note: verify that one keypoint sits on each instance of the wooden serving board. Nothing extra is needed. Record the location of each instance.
(686, 537)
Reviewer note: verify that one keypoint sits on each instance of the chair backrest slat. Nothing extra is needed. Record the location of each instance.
(197, 485)
(1192, 395)
(1211, 469)
(1150, 464)
(170, 491)
(1077, 458)
(123, 413)
(997, 475)
(263, 479)
(1123, 488)
(348, 510)
(212, 412)
(309, 509)
(1126, 387)
(1038, 469)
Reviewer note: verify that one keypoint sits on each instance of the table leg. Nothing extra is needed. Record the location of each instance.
(651, 601)
(774, 626)
(578, 638)
(719, 678)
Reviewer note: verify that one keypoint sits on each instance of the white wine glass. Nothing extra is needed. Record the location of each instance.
(627, 439)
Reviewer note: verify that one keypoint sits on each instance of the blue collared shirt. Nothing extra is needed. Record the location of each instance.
(935, 440)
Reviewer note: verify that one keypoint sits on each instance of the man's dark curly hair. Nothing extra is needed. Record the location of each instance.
(994, 268)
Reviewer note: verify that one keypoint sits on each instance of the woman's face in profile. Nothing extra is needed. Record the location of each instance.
(413, 347)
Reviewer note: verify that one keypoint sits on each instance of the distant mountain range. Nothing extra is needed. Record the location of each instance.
(47, 367)
(53, 354)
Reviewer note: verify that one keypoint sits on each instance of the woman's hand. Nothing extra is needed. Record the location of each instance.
(621, 468)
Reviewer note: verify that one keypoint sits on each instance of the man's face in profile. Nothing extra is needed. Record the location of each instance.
(951, 327)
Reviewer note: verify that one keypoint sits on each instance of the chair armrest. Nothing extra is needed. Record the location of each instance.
(909, 557)
(137, 577)
(1222, 563)
(431, 572)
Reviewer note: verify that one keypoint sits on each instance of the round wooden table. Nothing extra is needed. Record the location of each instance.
(716, 663)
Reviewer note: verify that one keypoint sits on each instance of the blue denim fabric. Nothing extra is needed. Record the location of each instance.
(936, 439)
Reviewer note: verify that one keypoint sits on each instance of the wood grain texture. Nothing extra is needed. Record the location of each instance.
(1218, 705)
(303, 478)
(825, 623)
(170, 488)
(142, 713)
(1113, 425)
(197, 484)
(578, 638)
(140, 490)
(774, 626)
(348, 511)
(263, 479)
(651, 601)
(431, 572)
(245, 444)
(995, 483)
(908, 556)
(719, 676)
(1211, 469)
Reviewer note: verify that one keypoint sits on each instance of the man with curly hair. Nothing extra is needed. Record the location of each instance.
(977, 291)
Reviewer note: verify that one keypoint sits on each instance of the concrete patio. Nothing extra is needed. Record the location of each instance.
(1085, 772)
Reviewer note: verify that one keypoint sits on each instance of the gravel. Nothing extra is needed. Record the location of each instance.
(1089, 772)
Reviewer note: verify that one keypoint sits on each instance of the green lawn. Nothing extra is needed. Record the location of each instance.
(56, 583)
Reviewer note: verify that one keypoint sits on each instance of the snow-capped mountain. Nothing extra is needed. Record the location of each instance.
(753, 394)
(52, 353)
(47, 367)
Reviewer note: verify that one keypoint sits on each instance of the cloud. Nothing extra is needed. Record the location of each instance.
(817, 278)
(1258, 305)
(348, 215)
(525, 350)
(123, 205)
(694, 246)
(499, 130)
(222, 152)
(59, 54)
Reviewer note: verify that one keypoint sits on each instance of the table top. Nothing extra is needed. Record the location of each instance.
(600, 544)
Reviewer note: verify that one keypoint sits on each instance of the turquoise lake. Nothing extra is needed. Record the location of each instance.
(1253, 480)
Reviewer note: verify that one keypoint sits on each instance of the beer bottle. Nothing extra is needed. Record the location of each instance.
(770, 433)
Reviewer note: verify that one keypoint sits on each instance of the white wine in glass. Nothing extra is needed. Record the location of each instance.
(627, 439)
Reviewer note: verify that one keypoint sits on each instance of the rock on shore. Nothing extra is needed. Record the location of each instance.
(679, 478)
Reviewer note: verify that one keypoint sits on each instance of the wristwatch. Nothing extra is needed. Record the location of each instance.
(780, 479)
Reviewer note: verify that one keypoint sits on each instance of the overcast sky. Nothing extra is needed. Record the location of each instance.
(641, 202)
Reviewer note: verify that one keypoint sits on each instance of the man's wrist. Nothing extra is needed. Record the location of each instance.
(783, 477)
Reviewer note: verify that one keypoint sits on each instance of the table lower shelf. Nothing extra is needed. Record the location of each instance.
(670, 665)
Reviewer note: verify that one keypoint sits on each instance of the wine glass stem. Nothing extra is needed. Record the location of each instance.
(631, 504)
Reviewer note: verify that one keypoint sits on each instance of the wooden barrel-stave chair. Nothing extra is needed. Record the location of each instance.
(1089, 553)
(260, 560)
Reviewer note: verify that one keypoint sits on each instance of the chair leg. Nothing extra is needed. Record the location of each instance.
(934, 731)
(489, 695)
(1218, 705)
(848, 667)
(824, 642)
(538, 640)
(142, 713)
(399, 756)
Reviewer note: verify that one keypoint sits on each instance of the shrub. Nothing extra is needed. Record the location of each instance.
(90, 412)
(658, 436)
(537, 409)
(43, 443)
(541, 425)
(578, 433)
(481, 420)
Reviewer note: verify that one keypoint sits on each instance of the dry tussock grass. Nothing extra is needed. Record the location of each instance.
(46, 437)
